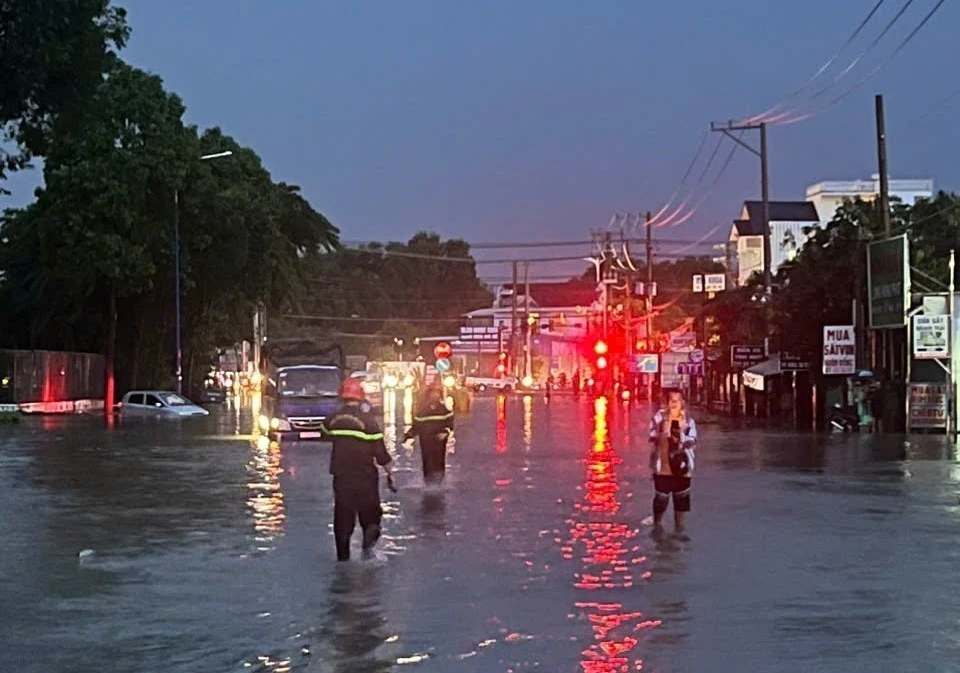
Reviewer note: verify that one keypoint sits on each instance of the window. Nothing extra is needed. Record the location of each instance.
(136, 399)
(153, 401)
(174, 400)
(310, 382)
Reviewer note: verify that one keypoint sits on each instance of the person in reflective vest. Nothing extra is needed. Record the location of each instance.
(357, 450)
(433, 424)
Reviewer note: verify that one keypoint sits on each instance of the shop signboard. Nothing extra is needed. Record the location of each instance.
(888, 282)
(928, 406)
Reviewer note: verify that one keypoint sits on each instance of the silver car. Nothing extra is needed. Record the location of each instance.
(159, 403)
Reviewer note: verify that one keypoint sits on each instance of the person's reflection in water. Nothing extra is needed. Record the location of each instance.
(356, 627)
(434, 512)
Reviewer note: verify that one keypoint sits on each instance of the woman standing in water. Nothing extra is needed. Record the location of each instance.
(673, 438)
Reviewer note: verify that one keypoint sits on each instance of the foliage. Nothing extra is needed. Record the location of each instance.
(818, 288)
(90, 262)
(52, 56)
(368, 296)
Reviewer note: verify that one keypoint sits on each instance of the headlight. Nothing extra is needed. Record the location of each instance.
(450, 382)
(280, 424)
(264, 423)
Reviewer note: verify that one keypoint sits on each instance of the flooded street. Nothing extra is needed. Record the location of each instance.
(213, 551)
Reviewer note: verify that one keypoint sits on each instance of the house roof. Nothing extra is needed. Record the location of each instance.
(751, 216)
(570, 293)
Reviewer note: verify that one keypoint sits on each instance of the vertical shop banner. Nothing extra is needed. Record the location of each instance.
(888, 282)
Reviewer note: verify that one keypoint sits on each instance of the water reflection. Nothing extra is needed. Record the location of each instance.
(527, 421)
(390, 420)
(501, 424)
(265, 497)
(355, 627)
(609, 558)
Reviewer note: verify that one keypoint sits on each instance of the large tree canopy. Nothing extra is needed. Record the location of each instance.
(89, 265)
(52, 56)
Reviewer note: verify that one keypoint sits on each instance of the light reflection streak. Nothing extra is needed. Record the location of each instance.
(265, 499)
(609, 558)
(527, 421)
(390, 420)
(501, 424)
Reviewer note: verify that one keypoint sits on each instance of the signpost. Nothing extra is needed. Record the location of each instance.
(443, 365)
(888, 282)
(442, 350)
(698, 282)
(746, 356)
(793, 363)
(928, 406)
(931, 337)
(715, 282)
(839, 350)
(647, 363)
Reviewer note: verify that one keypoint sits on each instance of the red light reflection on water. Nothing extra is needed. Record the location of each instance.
(608, 554)
(501, 424)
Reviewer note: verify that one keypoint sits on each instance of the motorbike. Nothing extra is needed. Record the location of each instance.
(843, 419)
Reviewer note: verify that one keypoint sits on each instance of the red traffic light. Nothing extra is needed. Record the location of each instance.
(600, 348)
(442, 350)
(641, 346)
(501, 368)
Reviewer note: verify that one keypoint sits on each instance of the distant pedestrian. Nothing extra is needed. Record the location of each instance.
(433, 424)
(357, 450)
(673, 439)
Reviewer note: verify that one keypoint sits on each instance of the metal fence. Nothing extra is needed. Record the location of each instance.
(50, 376)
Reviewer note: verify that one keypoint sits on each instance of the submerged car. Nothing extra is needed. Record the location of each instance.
(159, 403)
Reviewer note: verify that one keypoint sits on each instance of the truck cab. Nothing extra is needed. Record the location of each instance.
(301, 392)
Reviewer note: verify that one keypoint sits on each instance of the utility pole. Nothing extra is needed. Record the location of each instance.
(527, 368)
(726, 129)
(648, 298)
(882, 164)
(513, 323)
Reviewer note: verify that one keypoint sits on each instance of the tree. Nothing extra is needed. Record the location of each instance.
(52, 56)
(89, 265)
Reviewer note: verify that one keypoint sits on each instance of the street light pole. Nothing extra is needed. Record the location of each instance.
(176, 270)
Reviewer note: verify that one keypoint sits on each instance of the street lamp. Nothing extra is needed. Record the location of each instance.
(176, 267)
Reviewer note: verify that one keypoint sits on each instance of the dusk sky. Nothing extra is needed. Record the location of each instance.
(537, 119)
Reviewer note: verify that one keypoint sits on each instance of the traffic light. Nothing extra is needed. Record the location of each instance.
(641, 346)
(601, 350)
(502, 363)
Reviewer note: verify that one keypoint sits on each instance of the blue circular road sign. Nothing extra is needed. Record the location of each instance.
(443, 365)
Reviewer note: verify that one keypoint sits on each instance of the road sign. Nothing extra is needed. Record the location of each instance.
(690, 368)
(485, 333)
(698, 282)
(443, 365)
(683, 342)
(793, 363)
(442, 350)
(746, 356)
(715, 282)
(696, 355)
(647, 363)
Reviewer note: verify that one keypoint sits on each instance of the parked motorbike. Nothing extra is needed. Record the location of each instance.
(843, 419)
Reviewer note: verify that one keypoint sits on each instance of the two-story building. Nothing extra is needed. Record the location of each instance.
(828, 196)
(790, 225)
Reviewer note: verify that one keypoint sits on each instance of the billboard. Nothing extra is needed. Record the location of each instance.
(888, 282)
(931, 337)
(839, 350)
(928, 405)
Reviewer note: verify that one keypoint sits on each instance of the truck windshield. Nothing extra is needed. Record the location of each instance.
(309, 382)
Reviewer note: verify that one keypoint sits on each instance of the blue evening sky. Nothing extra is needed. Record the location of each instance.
(514, 120)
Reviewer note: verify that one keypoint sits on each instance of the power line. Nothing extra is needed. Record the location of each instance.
(520, 244)
(764, 116)
(863, 80)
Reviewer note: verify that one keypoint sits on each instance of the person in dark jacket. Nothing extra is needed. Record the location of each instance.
(433, 424)
(357, 450)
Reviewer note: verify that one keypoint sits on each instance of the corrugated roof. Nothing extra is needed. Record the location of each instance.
(782, 211)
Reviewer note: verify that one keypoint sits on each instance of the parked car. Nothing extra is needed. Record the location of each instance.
(159, 403)
(481, 384)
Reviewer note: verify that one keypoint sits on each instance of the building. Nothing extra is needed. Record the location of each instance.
(828, 196)
(790, 224)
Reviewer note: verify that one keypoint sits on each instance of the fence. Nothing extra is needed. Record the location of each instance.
(50, 377)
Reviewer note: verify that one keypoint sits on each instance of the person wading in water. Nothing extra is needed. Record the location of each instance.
(673, 438)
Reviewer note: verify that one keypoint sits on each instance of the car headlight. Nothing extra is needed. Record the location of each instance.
(281, 424)
(264, 423)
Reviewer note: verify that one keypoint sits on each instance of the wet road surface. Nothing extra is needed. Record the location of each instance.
(214, 552)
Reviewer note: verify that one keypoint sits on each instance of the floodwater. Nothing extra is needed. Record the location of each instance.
(212, 551)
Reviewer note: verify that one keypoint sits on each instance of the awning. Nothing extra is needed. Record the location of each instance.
(755, 377)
